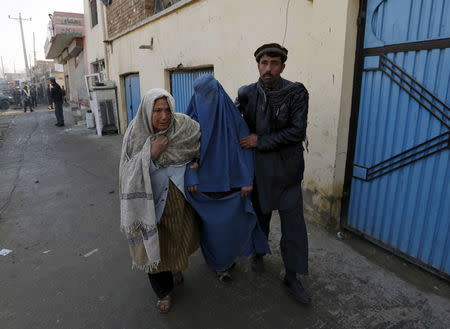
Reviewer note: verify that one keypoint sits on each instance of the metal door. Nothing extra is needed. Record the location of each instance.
(182, 87)
(400, 173)
(132, 95)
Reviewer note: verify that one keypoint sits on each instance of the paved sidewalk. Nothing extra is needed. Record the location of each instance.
(70, 268)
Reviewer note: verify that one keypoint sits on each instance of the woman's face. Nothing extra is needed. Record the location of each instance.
(161, 115)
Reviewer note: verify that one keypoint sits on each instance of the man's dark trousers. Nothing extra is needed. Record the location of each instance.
(294, 237)
(59, 113)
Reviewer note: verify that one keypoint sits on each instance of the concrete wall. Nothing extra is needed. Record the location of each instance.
(78, 93)
(94, 45)
(321, 38)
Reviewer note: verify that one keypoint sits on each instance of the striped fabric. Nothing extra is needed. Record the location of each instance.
(178, 231)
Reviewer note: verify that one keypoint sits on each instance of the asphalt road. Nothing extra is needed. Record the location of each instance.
(70, 268)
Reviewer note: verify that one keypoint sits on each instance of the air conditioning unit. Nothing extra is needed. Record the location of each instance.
(106, 108)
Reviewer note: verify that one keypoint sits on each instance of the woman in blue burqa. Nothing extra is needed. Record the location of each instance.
(219, 189)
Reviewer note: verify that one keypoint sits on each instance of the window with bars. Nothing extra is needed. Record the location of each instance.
(163, 4)
(94, 16)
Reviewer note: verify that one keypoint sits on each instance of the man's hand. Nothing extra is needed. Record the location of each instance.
(159, 145)
(193, 188)
(249, 141)
(246, 190)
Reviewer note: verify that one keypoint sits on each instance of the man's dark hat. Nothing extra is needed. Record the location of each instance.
(51, 78)
(273, 48)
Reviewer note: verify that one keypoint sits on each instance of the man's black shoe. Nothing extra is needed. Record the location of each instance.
(297, 290)
(60, 125)
(257, 263)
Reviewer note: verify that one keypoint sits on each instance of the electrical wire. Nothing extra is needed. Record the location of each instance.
(286, 25)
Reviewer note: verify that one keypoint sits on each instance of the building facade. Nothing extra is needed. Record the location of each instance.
(357, 58)
(153, 51)
(95, 27)
(65, 44)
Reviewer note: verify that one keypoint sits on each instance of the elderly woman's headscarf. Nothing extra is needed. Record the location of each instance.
(136, 196)
(183, 134)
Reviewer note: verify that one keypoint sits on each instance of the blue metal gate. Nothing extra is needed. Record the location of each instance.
(132, 95)
(400, 175)
(182, 87)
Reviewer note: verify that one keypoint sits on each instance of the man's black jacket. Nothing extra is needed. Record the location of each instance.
(279, 118)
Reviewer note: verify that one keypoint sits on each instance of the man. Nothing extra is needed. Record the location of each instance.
(56, 97)
(33, 96)
(276, 112)
(27, 100)
(17, 98)
(49, 97)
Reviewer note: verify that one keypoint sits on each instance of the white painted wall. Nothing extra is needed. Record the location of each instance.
(321, 39)
(94, 46)
(78, 92)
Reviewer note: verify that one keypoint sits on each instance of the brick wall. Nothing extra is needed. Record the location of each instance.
(122, 14)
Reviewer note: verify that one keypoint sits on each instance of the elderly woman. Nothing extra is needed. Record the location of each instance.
(161, 227)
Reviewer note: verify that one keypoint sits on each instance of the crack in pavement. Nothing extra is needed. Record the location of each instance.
(19, 171)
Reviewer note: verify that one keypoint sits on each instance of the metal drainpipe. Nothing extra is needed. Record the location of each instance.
(105, 47)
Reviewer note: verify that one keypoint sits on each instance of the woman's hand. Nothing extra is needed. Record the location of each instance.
(193, 188)
(246, 190)
(194, 165)
(159, 145)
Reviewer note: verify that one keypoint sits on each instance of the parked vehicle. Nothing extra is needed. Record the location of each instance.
(5, 102)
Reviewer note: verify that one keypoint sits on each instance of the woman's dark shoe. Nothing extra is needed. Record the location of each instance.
(257, 263)
(178, 278)
(296, 289)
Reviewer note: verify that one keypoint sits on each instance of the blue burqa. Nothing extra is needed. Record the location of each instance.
(229, 227)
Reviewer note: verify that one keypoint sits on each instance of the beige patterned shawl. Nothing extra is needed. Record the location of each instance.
(137, 208)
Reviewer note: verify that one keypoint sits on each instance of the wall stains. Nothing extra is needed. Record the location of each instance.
(321, 206)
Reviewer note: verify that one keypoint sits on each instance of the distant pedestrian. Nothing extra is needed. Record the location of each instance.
(26, 98)
(33, 95)
(276, 112)
(56, 96)
(17, 97)
(49, 97)
(64, 94)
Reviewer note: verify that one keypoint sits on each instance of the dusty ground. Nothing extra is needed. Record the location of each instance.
(59, 203)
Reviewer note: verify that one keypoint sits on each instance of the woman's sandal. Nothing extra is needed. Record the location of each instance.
(163, 304)
(178, 278)
(224, 276)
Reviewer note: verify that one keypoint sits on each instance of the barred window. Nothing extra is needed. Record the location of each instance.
(94, 16)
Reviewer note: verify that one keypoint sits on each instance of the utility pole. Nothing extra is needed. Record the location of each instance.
(34, 50)
(3, 69)
(20, 19)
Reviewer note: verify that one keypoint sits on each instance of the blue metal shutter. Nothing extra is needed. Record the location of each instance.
(182, 87)
(132, 95)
